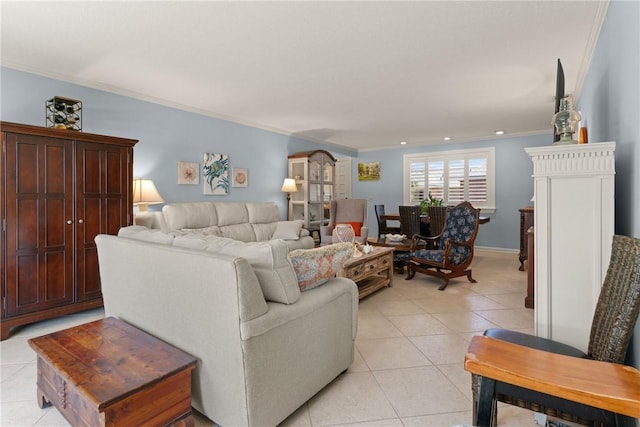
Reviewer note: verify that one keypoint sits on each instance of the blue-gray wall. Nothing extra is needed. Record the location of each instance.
(169, 135)
(610, 104)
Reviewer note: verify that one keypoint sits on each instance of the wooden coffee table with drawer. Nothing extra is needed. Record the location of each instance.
(109, 373)
(370, 271)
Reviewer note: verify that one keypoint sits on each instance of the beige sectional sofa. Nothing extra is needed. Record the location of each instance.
(215, 298)
(244, 221)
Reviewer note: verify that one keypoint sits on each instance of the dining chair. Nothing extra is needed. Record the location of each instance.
(409, 220)
(436, 219)
(383, 227)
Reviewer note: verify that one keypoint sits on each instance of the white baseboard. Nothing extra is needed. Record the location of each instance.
(501, 250)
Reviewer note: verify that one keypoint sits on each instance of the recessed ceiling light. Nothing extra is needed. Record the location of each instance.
(499, 132)
(447, 138)
(403, 142)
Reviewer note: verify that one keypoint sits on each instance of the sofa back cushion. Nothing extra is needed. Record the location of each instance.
(230, 213)
(242, 232)
(269, 260)
(190, 215)
(263, 212)
(264, 231)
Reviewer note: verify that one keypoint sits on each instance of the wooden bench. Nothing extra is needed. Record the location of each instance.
(603, 385)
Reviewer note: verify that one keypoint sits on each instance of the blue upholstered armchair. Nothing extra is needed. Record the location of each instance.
(453, 251)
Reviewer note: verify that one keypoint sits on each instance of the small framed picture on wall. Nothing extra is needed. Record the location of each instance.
(188, 173)
(369, 171)
(240, 177)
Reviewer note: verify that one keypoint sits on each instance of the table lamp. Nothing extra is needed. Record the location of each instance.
(144, 194)
(289, 186)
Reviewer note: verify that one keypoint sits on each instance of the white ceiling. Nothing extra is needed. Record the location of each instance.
(362, 75)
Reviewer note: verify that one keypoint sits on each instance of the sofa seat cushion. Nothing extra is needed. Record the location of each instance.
(213, 230)
(269, 261)
(315, 267)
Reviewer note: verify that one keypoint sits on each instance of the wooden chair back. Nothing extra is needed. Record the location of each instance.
(618, 305)
(409, 220)
(436, 219)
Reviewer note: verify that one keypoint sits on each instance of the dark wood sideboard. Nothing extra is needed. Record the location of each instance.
(529, 300)
(526, 221)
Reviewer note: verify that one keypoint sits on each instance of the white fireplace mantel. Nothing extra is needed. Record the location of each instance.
(574, 227)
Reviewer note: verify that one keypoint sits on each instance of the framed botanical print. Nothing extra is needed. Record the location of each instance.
(215, 174)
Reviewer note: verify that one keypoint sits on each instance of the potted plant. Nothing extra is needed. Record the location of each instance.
(429, 201)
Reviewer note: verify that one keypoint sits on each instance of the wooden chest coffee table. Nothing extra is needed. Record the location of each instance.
(109, 373)
(370, 271)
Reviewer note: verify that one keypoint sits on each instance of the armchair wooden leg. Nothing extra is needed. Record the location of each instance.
(486, 402)
(444, 286)
(411, 270)
(471, 279)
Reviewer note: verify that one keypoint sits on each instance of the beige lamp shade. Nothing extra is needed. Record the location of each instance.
(145, 194)
(289, 186)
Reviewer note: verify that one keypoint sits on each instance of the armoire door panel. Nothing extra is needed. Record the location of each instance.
(57, 227)
(25, 158)
(89, 286)
(115, 211)
(92, 219)
(39, 202)
(25, 271)
(90, 169)
(55, 162)
(102, 208)
(114, 170)
(25, 226)
(56, 277)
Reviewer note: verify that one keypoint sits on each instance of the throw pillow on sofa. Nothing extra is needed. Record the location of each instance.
(316, 266)
(288, 230)
(268, 259)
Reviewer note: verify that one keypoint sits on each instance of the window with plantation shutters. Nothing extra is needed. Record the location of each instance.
(454, 176)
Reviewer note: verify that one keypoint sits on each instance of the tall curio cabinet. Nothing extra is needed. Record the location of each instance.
(59, 189)
(314, 175)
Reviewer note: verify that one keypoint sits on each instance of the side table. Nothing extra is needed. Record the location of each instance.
(370, 271)
(109, 373)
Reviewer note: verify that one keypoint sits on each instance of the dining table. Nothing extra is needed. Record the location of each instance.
(425, 218)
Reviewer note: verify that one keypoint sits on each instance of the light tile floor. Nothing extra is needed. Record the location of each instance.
(408, 368)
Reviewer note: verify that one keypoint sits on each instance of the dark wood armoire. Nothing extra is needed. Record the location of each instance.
(59, 189)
